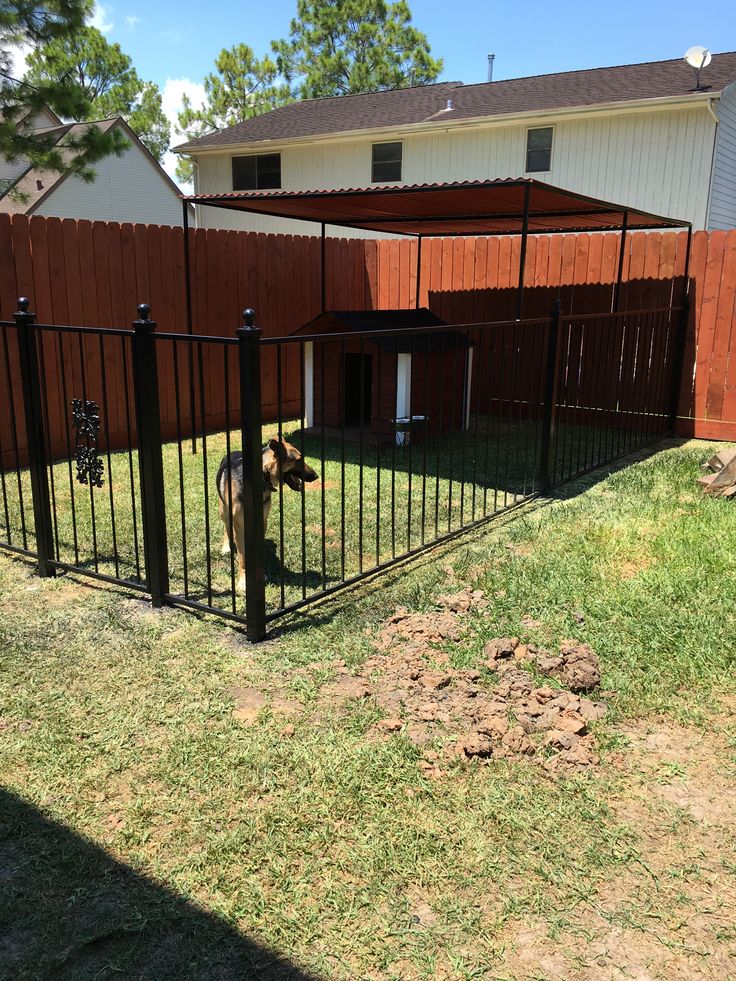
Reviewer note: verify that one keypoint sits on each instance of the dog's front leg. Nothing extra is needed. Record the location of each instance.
(239, 533)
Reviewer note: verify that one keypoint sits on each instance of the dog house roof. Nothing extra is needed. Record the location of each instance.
(360, 324)
(496, 207)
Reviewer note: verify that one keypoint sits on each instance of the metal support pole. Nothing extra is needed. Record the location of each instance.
(522, 257)
(619, 275)
(322, 269)
(249, 358)
(686, 289)
(35, 438)
(549, 405)
(678, 360)
(419, 269)
(190, 325)
(150, 461)
(187, 268)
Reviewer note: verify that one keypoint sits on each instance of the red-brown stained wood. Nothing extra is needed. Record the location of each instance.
(95, 274)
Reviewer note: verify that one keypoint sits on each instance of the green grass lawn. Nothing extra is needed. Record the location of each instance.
(147, 832)
(366, 508)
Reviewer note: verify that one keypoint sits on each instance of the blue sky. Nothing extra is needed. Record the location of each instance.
(175, 45)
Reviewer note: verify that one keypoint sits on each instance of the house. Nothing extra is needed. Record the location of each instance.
(646, 135)
(130, 188)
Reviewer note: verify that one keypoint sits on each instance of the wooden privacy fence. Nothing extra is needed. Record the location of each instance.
(95, 273)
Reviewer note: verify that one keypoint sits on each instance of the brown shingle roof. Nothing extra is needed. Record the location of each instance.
(35, 184)
(402, 107)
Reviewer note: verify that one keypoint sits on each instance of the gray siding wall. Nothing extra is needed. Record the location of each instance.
(722, 212)
(127, 188)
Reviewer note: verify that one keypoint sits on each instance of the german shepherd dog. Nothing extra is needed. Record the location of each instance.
(280, 459)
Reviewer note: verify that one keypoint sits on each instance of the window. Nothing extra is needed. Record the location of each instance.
(386, 164)
(259, 172)
(539, 149)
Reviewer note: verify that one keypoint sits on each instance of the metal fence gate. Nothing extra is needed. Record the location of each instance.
(383, 443)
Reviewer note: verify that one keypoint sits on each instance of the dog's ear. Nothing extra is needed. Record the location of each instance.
(278, 448)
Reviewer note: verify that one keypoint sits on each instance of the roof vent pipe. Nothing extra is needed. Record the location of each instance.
(491, 59)
(449, 106)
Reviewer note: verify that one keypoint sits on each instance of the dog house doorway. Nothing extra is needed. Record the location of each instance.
(358, 391)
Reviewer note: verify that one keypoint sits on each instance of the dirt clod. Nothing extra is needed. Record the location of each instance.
(475, 746)
(461, 602)
(500, 649)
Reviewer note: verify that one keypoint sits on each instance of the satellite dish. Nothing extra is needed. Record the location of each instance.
(698, 57)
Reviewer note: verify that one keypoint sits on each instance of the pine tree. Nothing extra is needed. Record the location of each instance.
(340, 47)
(109, 81)
(27, 24)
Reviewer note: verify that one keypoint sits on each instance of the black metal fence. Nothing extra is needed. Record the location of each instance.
(384, 443)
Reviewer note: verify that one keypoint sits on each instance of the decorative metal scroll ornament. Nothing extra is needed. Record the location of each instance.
(86, 419)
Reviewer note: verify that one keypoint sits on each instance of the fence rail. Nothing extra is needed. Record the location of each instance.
(388, 442)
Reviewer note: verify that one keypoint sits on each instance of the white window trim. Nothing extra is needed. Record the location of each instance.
(551, 152)
(399, 180)
(269, 153)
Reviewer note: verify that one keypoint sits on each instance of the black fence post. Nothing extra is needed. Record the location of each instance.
(549, 405)
(35, 437)
(150, 461)
(678, 359)
(249, 357)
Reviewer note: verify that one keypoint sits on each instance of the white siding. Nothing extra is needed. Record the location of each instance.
(723, 192)
(657, 160)
(43, 119)
(126, 188)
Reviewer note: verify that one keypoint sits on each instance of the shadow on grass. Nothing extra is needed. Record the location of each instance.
(69, 910)
(327, 609)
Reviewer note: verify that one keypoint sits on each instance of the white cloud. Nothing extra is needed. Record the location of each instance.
(171, 102)
(173, 37)
(19, 59)
(172, 94)
(132, 22)
(101, 19)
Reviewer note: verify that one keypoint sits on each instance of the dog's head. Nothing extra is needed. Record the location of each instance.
(281, 457)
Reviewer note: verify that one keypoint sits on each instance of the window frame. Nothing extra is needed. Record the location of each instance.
(393, 180)
(255, 156)
(547, 170)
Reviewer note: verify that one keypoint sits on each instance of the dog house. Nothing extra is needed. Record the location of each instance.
(375, 387)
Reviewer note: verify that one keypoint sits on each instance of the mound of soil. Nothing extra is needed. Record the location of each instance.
(413, 681)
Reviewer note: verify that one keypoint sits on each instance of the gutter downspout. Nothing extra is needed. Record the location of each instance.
(712, 112)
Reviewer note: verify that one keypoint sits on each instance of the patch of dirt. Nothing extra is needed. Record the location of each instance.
(424, 697)
(671, 914)
(632, 567)
(317, 530)
(317, 485)
(250, 702)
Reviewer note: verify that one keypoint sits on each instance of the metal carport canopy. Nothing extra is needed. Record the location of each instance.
(499, 207)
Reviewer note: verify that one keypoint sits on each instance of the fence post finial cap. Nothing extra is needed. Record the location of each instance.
(23, 304)
(144, 310)
(249, 316)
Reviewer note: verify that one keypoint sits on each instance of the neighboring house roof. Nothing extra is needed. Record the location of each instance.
(35, 185)
(425, 103)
